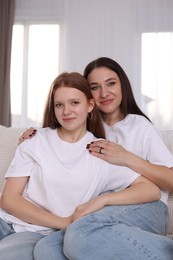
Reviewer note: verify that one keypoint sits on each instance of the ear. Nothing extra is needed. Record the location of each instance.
(91, 105)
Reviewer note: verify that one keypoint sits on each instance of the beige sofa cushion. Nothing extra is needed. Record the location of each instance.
(8, 143)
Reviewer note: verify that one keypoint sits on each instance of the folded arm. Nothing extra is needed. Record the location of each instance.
(140, 191)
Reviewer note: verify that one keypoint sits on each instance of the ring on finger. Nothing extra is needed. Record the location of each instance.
(100, 151)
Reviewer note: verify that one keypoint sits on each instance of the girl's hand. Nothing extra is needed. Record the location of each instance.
(27, 134)
(89, 207)
(109, 151)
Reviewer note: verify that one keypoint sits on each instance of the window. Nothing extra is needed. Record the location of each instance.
(34, 65)
(157, 77)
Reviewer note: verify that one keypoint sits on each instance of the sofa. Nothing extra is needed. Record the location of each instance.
(9, 140)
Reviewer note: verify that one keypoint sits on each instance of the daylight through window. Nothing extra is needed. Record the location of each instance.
(34, 65)
(157, 77)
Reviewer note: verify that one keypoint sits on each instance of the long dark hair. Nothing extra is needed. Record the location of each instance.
(77, 81)
(128, 104)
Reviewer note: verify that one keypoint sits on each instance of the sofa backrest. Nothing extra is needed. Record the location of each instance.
(8, 142)
(168, 139)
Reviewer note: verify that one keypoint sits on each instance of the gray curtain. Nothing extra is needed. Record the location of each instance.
(6, 24)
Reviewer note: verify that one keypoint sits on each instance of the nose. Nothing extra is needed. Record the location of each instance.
(103, 92)
(67, 110)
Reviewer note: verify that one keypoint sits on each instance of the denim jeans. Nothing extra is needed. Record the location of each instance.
(16, 245)
(135, 232)
(30, 245)
(113, 233)
(50, 247)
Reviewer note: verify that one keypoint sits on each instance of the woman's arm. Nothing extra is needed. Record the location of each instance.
(16, 205)
(113, 153)
(140, 191)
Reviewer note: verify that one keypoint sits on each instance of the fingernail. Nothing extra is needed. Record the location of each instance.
(90, 151)
(30, 135)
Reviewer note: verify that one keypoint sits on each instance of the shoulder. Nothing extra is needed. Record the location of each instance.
(42, 134)
(137, 120)
(45, 131)
(90, 137)
(142, 124)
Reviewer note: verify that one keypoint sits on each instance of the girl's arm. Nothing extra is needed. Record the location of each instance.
(16, 205)
(114, 153)
(140, 191)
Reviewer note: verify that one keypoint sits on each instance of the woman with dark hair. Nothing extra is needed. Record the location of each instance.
(126, 125)
(124, 232)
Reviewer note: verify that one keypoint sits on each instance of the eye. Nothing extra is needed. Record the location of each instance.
(58, 105)
(111, 83)
(94, 87)
(75, 102)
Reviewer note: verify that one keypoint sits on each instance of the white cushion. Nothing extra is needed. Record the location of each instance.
(8, 142)
(168, 139)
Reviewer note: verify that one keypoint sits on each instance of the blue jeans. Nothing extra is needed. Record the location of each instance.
(29, 245)
(121, 233)
(50, 247)
(113, 233)
(16, 245)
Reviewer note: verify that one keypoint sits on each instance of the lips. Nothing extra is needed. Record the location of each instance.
(68, 119)
(106, 102)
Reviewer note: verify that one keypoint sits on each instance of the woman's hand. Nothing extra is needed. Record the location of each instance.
(27, 134)
(114, 153)
(109, 151)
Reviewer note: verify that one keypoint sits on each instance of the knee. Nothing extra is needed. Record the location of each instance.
(38, 250)
(75, 241)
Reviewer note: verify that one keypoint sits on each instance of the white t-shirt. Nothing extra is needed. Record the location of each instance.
(136, 134)
(62, 175)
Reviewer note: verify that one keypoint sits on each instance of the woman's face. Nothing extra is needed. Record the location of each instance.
(106, 90)
(71, 108)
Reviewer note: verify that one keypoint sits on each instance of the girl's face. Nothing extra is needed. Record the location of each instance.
(106, 90)
(71, 109)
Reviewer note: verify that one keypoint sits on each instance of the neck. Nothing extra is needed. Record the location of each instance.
(70, 136)
(112, 119)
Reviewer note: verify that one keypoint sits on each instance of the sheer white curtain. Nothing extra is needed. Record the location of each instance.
(114, 28)
(35, 58)
(156, 27)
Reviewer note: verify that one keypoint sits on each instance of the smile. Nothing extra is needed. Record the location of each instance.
(106, 102)
(68, 119)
